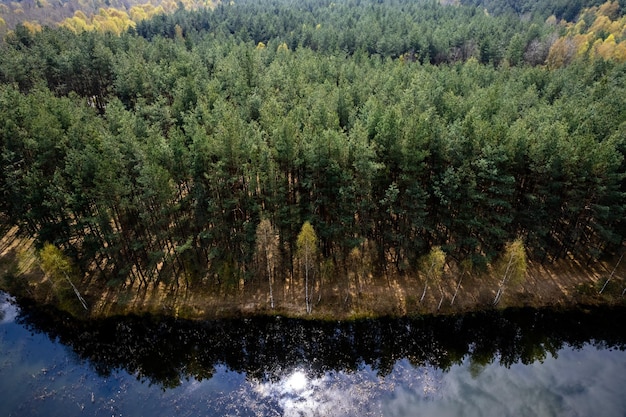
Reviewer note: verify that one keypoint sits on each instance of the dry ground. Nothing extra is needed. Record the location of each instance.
(565, 283)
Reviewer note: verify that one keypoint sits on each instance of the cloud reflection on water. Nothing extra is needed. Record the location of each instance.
(302, 394)
(295, 369)
(8, 310)
(361, 393)
(580, 382)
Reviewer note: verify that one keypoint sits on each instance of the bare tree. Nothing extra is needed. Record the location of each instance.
(466, 267)
(611, 276)
(267, 252)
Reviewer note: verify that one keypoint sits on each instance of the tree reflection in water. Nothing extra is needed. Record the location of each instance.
(268, 349)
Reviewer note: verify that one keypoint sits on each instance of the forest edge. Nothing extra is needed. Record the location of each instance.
(563, 284)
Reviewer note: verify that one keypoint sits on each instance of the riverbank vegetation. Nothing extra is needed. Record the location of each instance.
(318, 153)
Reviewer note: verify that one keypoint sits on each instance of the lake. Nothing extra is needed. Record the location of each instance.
(497, 363)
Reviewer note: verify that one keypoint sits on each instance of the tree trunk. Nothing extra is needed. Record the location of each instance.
(306, 281)
(611, 276)
(441, 300)
(424, 293)
(269, 279)
(80, 297)
(496, 300)
(456, 291)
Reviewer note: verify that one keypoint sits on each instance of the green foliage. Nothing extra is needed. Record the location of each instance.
(514, 258)
(512, 266)
(433, 264)
(54, 262)
(307, 245)
(59, 268)
(152, 158)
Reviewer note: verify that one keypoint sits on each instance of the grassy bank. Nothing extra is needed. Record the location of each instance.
(565, 283)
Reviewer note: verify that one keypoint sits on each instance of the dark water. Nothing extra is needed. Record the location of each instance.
(514, 363)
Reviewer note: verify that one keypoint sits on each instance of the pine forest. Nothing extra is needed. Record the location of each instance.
(313, 144)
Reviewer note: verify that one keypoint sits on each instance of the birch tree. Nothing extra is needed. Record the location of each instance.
(434, 261)
(513, 266)
(611, 276)
(58, 267)
(267, 252)
(307, 253)
(466, 267)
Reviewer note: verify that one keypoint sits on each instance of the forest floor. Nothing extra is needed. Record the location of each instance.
(565, 283)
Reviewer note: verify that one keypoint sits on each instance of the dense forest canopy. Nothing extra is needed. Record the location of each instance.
(568, 10)
(77, 15)
(169, 151)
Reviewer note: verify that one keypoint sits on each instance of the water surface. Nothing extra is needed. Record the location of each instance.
(516, 363)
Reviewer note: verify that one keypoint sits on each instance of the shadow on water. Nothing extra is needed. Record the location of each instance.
(165, 351)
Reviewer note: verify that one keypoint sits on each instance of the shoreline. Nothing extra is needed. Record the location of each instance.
(563, 284)
(588, 304)
(398, 301)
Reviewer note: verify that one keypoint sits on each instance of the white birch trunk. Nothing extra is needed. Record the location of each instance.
(611, 276)
(456, 291)
(496, 300)
(80, 297)
(306, 280)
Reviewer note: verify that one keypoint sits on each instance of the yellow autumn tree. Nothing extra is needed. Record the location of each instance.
(59, 268)
(620, 52)
(33, 27)
(433, 263)
(599, 32)
(605, 49)
(609, 9)
(306, 245)
(512, 267)
(138, 13)
(561, 53)
(78, 23)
